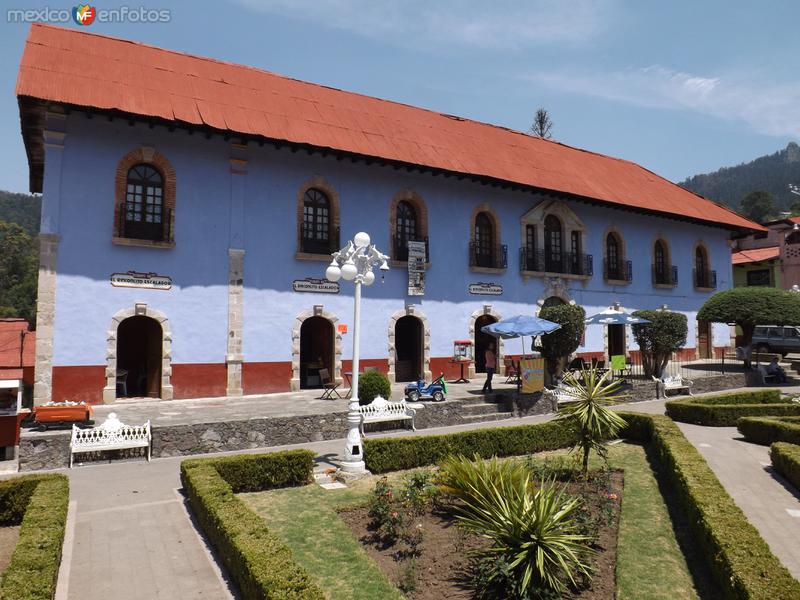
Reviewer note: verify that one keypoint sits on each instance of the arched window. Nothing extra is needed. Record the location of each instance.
(613, 257)
(143, 214)
(484, 240)
(660, 274)
(405, 229)
(553, 245)
(316, 235)
(703, 276)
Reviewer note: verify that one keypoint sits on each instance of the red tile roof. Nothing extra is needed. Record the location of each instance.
(14, 335)
(755, 255)
(88, 70)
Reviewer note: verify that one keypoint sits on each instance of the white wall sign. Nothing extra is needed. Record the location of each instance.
(319, 286)
(135, 279)
(485, 289)
(416, 268)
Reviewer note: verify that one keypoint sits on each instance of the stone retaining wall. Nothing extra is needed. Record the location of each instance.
(50, 450)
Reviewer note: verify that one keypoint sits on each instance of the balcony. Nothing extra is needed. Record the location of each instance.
(705, 279)
(493, 257)
(400, 249)
(665, 276)
(619, 271)
(568, 263)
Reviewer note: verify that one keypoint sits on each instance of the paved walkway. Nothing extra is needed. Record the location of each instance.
(133, 538)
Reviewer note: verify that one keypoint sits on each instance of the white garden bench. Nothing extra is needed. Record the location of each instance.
(381, 410)
(560, 395)
(113, 434)
(672, 382)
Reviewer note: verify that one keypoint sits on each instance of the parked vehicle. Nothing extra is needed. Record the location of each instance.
(777, 339)
(435, 390)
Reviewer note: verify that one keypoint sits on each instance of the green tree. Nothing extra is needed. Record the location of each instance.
(542, 124)
(589, 415)
(557, 346)
(18, 272)
(658, 339)
(758, 206)
(751, 306)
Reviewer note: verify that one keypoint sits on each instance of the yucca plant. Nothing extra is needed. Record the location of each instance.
(535, 539)
(589, 414)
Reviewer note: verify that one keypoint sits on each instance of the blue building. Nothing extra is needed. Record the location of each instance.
(190, 208)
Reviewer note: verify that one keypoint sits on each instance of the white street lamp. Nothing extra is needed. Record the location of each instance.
(354, 263)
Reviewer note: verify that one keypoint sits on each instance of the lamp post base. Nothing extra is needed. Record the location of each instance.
(352, 471)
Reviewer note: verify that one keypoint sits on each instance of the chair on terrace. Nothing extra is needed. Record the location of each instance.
(328, 385)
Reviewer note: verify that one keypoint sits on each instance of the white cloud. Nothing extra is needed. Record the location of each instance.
(768, 108)
(499, 24)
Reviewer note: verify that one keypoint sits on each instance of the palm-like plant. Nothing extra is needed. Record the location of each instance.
(589, 414)
(534, 533)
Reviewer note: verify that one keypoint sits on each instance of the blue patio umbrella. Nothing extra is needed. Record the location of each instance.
(614, 316)
(520, 326)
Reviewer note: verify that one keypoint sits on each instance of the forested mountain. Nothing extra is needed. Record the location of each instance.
(19, 255)
(772, 173)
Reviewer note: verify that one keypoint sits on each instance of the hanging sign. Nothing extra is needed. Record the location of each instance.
(416, 268)
(320, 286)
(532, 374)
(135, 279)
(485, 289)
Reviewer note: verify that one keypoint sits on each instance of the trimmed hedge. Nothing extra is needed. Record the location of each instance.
(740, 560)
(396, 454)
(726, 409)
(765, 430)
(786, 461)
(256, 559)
(39, 503)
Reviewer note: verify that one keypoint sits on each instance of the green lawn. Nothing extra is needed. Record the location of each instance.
(649, 565)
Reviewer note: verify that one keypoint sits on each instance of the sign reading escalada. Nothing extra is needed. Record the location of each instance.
(135, 279)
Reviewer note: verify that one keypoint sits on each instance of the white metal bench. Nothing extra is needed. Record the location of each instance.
(113, 434)
(672, 382)
(560, 395)
(381, 410)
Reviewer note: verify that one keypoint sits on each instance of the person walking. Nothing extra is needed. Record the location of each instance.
(491, 365)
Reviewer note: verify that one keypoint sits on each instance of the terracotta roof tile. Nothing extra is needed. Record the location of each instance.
(153, 82)
(755, 255)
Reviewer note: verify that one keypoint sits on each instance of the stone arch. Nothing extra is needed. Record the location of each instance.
(420, 208)
(700, 246)
(490, 311)
(146, 155)
(554, 286)
(320, 183)
(316, 311)
(139, 309)
(490, 212)
(410, 311)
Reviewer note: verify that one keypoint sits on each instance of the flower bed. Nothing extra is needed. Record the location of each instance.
(725, 410)
(39, 504)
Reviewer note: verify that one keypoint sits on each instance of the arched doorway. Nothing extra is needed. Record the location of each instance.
(482, 341)
(408, 340)
(316, 351)
(139, 355)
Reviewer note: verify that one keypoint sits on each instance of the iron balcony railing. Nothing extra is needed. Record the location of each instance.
(493, 257)
(619, 271)
(139, 230)
(317, 246)
(705, 279)
(400, 248)
(665, 275)
(565, 262)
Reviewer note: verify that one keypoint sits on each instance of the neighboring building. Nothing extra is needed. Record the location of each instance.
(190, 207)
(17, 345)
(769, 258)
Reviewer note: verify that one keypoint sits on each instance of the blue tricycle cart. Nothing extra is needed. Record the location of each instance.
(436, 390)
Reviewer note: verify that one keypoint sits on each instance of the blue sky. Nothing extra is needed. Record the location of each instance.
(679, 87)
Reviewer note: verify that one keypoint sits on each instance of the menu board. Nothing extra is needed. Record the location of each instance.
(416, 268)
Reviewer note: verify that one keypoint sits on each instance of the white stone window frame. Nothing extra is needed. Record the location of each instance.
(569, 222)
